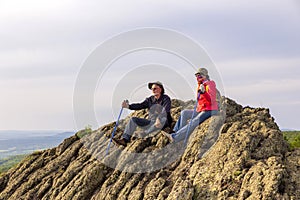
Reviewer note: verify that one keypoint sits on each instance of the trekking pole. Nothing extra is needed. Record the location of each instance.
(115, 128)
(194, 111)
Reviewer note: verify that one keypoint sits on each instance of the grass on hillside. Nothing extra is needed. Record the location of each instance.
(88, 130)
(293, 138)
(7, 163)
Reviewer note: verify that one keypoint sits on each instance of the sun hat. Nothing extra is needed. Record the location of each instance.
(202, 71)
(157, 83)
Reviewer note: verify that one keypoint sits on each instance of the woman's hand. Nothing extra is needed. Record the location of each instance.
(202, 88)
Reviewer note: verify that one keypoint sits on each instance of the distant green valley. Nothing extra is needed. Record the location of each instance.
(7, 163)
(293, 138)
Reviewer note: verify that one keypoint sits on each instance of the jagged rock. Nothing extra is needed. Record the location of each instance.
(291, 182)
(239, 154)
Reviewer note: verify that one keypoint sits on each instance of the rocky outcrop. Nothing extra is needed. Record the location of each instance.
(240, 156)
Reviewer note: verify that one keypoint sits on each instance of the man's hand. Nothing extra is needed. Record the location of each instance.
(157, 123)
(125, 104)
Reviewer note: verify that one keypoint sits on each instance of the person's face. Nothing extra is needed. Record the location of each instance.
(200, 78)
(156, 90)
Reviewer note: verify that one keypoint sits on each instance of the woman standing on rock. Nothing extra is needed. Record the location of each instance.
(206, 107)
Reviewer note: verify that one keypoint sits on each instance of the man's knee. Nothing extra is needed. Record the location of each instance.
(185, 112)
(134, 119)
(140, 121)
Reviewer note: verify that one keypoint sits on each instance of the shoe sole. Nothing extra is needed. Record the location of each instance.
(124, 145)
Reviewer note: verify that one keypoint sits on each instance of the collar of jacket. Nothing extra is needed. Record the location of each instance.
(157, 100)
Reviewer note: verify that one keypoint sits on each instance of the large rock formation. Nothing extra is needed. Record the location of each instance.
(243, 157)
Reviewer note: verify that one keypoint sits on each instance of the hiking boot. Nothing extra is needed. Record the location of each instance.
(169, 136)
(122, 141)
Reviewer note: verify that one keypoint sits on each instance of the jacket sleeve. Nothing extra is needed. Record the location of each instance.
(167, 104)
(167, 107)
(139, 106)
(210, 90)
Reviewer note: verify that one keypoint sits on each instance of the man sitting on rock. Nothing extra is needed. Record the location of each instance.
(159, 105)
(206, 107)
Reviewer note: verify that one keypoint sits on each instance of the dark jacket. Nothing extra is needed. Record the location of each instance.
(165, 105)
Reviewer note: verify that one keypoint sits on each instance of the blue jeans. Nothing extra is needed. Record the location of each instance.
(181, 125)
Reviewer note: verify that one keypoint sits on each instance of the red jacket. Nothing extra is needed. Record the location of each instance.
(207, 100)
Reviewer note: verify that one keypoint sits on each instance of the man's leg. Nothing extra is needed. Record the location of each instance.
(182, 121)
(202, 116)
(131, 126)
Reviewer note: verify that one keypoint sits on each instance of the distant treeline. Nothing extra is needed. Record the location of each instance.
(293, 138)
(7, 163)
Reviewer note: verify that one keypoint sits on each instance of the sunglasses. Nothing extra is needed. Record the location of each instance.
(198, 76)
(155, 88)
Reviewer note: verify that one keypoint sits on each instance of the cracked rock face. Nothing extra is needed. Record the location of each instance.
(240, 156)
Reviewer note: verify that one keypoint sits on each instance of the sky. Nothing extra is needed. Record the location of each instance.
(44, 44)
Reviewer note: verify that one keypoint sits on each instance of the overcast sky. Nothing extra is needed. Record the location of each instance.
(43, 45)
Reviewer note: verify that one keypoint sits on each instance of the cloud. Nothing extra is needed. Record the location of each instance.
(254, 30)
(37, 103)
(255, 80)
(37, 63)
(243, 72)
